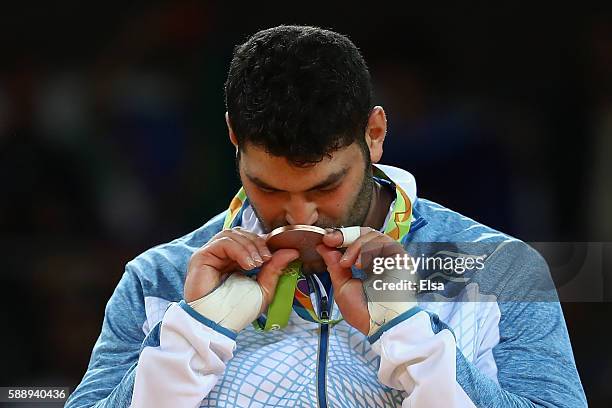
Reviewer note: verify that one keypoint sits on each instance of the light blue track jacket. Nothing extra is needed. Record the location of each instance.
(498, 343)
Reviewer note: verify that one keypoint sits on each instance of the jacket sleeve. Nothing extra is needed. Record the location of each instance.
(176, 364)
(533, 360)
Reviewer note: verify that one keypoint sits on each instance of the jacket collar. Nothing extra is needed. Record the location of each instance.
(402, 217)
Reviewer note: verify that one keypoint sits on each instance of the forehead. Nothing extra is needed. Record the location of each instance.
(280, 173)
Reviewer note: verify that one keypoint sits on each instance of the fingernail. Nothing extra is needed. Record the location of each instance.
(257, 258)
(249, 261)
(266, 253)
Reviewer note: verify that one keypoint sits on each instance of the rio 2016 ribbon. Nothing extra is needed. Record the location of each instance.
(282, 302)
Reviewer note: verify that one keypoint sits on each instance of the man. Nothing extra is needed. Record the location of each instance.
(178, 330)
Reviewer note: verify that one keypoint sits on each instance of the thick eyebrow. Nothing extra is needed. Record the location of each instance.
(331, 179)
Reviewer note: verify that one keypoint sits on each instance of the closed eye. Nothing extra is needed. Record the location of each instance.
(328, 189)
(331, 188)
(267, 190)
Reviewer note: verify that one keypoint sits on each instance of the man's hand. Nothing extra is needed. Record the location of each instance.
(216, 287)
(355, 298)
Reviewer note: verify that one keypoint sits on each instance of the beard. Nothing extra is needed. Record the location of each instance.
(362, 201)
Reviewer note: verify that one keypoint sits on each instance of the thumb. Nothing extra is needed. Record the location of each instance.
(348, 291)
(338, 274)
(332, 238)
(272, 270)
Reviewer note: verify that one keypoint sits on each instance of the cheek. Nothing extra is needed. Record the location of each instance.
(268, 206)
(336, 204)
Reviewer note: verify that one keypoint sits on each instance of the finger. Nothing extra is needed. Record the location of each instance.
(331, 256)
(348, 291)
(333, 238)
(222, 251)
(354, 250)
(248, 242)
(272, 270)
(259, 242)
(339, 275)
(380, 246)
(343, 237)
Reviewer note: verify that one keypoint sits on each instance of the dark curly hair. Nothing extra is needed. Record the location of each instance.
(298, 92)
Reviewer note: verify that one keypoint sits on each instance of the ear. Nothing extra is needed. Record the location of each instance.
(376, 130)
(232, 135)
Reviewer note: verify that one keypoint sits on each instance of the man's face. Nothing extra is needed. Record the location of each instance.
(333, 192)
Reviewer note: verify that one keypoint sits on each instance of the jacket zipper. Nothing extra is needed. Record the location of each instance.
(324, 313)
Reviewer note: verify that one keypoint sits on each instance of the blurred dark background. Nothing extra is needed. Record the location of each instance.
(112, 140)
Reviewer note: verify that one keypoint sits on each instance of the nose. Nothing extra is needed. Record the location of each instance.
(301, 211)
